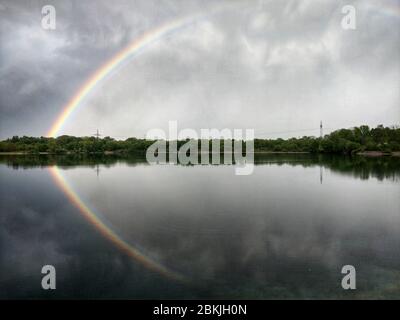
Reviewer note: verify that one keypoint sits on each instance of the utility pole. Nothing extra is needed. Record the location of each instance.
(320, 130)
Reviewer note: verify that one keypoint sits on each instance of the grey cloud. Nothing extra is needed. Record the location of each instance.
(267, 65)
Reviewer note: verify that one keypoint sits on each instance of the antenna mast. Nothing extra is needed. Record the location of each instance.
(320, 130)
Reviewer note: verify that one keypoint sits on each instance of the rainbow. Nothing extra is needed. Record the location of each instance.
(139, 44)
(104, 71)
(130, 51)
(387, 7)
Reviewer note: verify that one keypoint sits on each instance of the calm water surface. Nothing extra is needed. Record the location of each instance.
(285, 231)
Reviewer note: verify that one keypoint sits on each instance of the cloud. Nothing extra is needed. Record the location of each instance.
(268, 65)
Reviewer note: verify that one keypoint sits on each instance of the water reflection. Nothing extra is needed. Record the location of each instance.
(362, 167)
(278, 233)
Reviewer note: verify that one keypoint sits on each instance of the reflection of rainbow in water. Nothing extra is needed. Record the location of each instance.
(108, 232)
(102, 73)
(386, 7)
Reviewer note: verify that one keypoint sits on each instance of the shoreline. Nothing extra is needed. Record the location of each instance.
(363, 153)
(378, 154)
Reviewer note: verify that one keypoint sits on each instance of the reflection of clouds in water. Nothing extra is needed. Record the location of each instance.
(278, 231)
(38, 227)
(262, 246)
(213, 225)
(27, 233)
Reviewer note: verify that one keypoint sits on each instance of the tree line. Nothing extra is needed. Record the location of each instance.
(343, 141)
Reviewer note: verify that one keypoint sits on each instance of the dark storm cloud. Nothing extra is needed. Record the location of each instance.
(41, 69)
(266, 65)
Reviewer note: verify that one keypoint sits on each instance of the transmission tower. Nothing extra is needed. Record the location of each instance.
(97, 134)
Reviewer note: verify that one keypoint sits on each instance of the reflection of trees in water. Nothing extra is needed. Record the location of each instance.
(68, 161)
(384, 167)
(366, 167)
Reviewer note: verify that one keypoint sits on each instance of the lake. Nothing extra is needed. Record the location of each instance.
(117, 227)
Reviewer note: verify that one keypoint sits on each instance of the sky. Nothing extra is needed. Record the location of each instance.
(278, 67)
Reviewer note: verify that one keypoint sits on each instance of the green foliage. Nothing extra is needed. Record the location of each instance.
(346, 141)
(384, 139)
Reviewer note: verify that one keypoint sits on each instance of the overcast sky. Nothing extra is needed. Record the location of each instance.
(278, 67)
